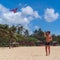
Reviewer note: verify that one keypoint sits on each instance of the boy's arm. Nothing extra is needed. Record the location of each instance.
(51, 38)
(44, 34)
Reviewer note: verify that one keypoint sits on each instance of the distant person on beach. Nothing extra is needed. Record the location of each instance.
(48, 41)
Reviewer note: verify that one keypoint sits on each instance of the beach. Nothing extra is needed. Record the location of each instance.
(29, 53)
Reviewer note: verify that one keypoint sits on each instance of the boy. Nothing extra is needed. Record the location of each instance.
(48, 41)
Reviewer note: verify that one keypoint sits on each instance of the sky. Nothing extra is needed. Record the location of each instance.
(32, 14)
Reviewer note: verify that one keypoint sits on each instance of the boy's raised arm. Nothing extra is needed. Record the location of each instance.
(44, 34)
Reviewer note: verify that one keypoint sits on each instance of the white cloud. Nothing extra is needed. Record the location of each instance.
(3, 9)
(30, 12)
(50, 15)
(24, 16)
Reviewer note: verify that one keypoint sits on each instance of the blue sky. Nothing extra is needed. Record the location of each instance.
(48, 10)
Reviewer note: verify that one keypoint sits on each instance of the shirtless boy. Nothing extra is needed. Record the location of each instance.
(47, 43)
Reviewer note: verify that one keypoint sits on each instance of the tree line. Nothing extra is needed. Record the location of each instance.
(19, 36)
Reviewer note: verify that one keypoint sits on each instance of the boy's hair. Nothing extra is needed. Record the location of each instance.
(48, 32)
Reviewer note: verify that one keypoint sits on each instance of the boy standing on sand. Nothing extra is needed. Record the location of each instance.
(48, 41)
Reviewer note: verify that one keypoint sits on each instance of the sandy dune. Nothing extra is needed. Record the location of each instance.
(29, 53)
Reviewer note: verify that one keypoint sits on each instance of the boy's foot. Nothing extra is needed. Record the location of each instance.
(46, 54)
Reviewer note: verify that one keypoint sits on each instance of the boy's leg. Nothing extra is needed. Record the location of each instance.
(46, 50)
(49, 49)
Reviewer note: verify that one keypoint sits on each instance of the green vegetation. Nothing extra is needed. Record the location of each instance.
(19, 36)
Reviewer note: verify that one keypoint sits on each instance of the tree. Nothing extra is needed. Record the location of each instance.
(20, 29)
(54, 37)
(4, 35)
(58, 39)
(39, 34)
(26, 33)
(12, 31)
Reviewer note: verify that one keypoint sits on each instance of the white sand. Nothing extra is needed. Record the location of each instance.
(29, 53)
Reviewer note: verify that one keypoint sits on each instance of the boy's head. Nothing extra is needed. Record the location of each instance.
(48, 32)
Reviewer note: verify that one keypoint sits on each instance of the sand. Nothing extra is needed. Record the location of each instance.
(29, 53)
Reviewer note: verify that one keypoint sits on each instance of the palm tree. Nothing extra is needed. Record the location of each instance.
(3, 29)
(4, 37)
(39, 34)
(20, 29)
(26, 32)
(12, 31)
